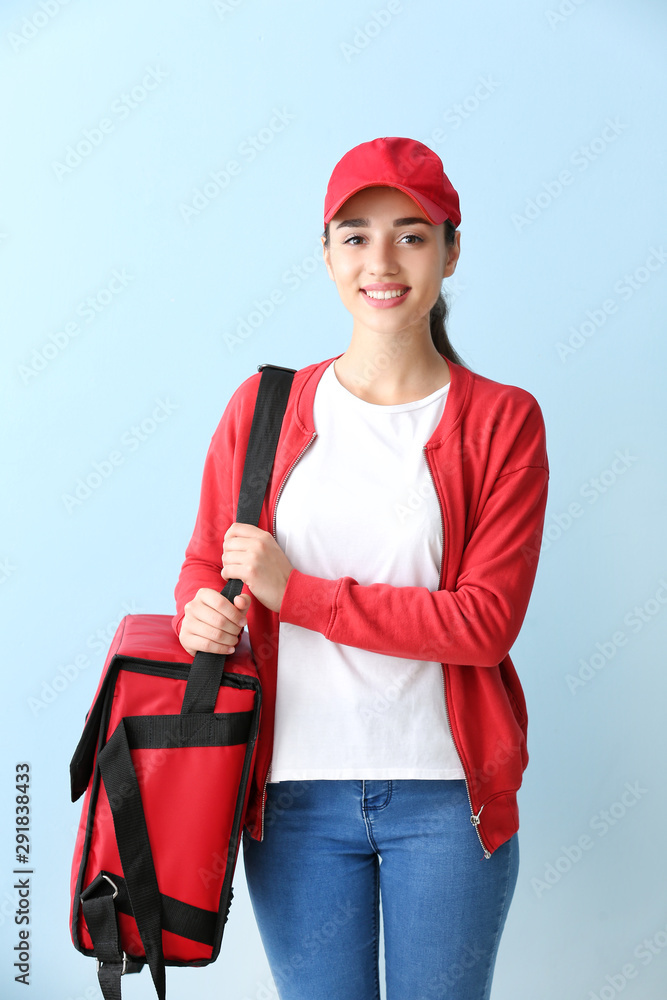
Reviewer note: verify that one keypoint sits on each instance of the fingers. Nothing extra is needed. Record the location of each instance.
(194, 636)
(224, 633)
(212, 623)
(193, 644)
(244, 603)
(211, 607)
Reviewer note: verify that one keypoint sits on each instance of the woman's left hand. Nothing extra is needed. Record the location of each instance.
(254, 556)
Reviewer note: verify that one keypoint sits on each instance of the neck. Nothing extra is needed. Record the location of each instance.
(394, 370)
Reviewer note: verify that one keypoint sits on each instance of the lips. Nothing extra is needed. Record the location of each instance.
(384, 295)
(383, 286)
(383, 290)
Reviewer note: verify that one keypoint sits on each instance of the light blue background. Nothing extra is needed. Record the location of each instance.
(516, 93)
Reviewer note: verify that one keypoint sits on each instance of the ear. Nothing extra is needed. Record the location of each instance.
(453, 253)
(327, 259)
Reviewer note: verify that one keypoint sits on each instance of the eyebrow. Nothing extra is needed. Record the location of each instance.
(358, 223)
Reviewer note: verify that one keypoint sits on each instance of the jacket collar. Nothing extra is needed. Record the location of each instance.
(459, 390)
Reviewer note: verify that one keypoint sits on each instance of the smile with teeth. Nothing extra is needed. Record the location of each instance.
(393, 294)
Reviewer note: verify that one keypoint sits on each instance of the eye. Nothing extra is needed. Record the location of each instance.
(414, 238)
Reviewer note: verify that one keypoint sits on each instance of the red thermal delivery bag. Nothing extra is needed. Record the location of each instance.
(166, 761)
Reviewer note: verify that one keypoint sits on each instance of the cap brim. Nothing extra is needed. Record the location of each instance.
(434, 213)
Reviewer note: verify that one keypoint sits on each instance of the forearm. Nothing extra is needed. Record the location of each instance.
(475, 622)
(469, 626)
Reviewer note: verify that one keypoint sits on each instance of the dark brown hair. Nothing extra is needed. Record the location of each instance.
(440, 311)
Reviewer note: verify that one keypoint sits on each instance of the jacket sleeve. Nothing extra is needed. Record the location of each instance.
(202, 565)
(476, 623)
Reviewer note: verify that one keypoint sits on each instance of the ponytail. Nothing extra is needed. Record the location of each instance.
(440, 311)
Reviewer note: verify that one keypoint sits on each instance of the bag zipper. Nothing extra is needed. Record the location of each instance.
(273, 531)
(474, 819)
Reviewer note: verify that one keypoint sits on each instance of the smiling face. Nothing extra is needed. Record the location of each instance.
(388, 261)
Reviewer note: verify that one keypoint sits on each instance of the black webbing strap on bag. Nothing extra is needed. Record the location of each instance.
(136, 857)
(97, 902)
(138, 893)
(139, 887)
(274, 388)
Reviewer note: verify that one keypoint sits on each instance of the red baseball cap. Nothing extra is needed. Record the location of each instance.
(392, 161)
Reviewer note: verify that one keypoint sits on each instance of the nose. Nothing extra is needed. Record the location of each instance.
(381, 260)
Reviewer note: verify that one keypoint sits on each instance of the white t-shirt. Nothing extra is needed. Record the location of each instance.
(360, 502)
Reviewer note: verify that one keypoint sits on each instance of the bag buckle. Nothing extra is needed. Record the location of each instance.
(280, 368)
(98, 964)
(111, 883)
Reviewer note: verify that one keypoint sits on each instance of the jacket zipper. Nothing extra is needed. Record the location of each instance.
(474, 819)
(273, 531)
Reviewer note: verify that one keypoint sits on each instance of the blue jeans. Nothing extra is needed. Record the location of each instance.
(332, 846)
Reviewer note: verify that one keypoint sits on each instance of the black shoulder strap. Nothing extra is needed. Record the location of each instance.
(274, 389)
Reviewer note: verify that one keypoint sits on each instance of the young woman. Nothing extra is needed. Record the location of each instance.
(383, 589)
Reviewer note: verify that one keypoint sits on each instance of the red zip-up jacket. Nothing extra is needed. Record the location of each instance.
(488, 462)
